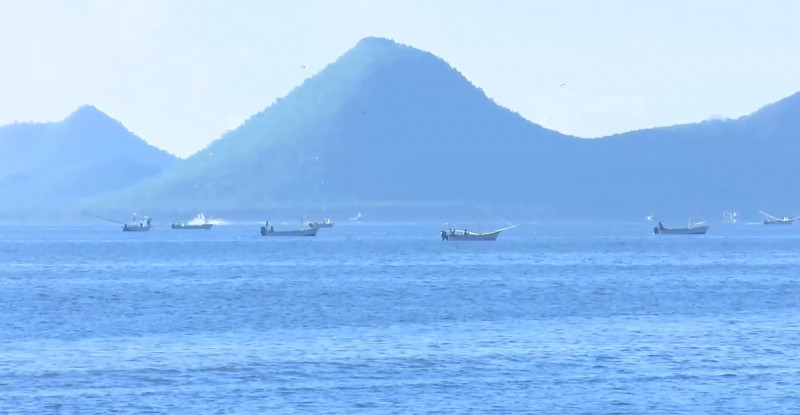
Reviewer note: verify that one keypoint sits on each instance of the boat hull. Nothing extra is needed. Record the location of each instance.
(136, 228)
(312, 231)
(181, 226)
(697, 230)
(470, 236)
(491, 236)
(778, 222)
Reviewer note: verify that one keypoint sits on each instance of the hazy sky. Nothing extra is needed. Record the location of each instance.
(180, 72)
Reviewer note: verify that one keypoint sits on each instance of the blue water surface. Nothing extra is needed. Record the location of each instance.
(387, 318)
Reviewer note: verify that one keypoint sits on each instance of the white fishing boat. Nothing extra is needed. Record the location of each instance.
(326, 223)
(356, 218)
(772, 220)
(199, 222)
(465, 235)
(143, 225)
(310, 230)
(696, 228)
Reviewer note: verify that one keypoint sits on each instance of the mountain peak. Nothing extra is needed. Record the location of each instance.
(379, 49)
(87, 110)
(89, 127)
(88, 115)
(374, 41)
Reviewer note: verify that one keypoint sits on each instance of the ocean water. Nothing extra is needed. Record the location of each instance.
(367, 318)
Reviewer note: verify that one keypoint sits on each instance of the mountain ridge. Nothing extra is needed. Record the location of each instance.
(386, 123)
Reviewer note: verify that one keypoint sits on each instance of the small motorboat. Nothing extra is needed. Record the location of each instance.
(697, 228)
(326, 223)
(310, 230)
(199, 222)
(772, 220)
(143, 225)
(465, 235)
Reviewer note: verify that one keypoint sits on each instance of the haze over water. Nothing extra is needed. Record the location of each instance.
(551, 318)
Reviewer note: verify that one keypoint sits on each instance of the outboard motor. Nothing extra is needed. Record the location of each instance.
(655, 230)
(444, 235)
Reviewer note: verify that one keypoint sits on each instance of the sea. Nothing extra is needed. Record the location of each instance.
(379, 318)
